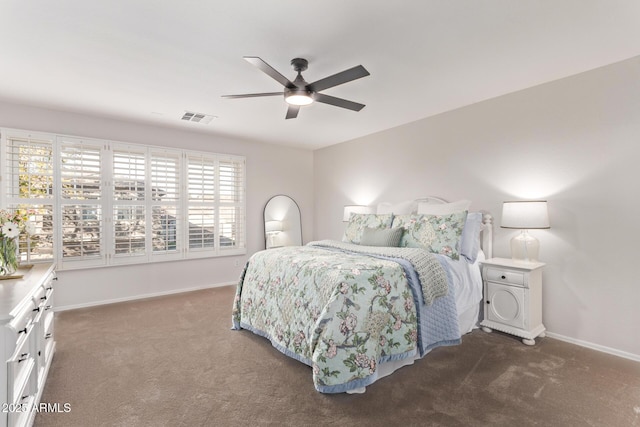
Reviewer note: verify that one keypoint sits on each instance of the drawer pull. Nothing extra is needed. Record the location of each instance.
(54, 278)
(23, 331)
(47, 307)
(44, 298)
(36, 309)
(488, 302)
(23, 357)
(503, 277)
(49, 288)
(24, 397)
(46, 337)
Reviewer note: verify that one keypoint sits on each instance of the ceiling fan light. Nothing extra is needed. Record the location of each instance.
(301, 97)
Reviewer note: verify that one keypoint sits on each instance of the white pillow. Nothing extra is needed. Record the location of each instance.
(443, 208)
(402, 208)
(470, 240)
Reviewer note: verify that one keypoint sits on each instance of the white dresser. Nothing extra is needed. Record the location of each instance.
(26, 342)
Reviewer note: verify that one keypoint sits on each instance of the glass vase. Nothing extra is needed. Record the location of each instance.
(8, 256)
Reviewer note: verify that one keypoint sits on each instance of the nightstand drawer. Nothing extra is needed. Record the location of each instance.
(504, 276)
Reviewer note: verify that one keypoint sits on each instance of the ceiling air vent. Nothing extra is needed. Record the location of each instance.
(190, 116)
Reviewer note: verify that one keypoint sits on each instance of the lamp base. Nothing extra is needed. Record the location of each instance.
(525, 247)
(272, 239)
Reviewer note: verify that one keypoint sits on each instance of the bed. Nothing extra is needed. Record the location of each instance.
(402, 282)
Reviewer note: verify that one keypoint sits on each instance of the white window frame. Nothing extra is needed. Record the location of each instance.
(107, 202)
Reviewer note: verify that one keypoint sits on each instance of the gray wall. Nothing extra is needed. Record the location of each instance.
(574, 142)
(271, 170)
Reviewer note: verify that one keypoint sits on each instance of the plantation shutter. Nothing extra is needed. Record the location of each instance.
(81, 202)
(215, 204)
(166, 198)
(231, 204)
(29, 188)
(129, 230)
(201, 208)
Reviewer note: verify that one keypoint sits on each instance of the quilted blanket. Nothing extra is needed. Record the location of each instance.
(343, 312)
(433, 278)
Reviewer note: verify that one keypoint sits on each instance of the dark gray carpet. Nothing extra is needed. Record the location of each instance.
(173, 361)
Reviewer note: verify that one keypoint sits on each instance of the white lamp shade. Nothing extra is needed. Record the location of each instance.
(349, 209)
(525, 215)
(273, 226)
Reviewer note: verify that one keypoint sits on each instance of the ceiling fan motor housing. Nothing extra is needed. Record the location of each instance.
(299, 95)
(299, 64)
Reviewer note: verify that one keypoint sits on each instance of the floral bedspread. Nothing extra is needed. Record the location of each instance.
(340, 312)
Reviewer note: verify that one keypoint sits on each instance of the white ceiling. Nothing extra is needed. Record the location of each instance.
(150, 60)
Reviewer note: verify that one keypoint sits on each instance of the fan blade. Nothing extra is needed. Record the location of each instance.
(338, 102)
(269, 70)
(338, 79)
(253, 95)
(292, 111)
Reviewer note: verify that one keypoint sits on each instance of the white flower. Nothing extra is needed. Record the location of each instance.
(10, 229)
(30, 228)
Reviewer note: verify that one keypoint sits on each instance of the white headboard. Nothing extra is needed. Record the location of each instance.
(487, 234)
(487, 225)
(431, 199)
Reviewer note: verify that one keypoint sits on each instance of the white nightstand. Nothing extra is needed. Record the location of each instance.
(513, 298)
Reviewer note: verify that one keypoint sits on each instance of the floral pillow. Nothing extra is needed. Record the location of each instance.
(439, 234)
(358, 222)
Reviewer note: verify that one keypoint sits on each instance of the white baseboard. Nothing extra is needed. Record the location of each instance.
(598, 347)
(142, 296)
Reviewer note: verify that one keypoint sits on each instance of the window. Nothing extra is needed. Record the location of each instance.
(129, 194)
(166, 212)
(201, 206)
(231, 175)
(81, 203)
(29, 186)
(98, 203)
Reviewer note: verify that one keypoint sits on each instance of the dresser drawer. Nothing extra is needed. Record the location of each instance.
(24, 318)
(45, 300)
(20, 368)
(21, 412)
(504, 276)
(38, 295)
(48, 284)
(48, 331)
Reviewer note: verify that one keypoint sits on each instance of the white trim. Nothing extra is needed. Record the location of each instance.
(141, 296)
(598, 347)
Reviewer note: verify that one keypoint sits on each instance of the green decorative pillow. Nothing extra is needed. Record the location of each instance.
(439, 234)
(358, 222)
(389, 237)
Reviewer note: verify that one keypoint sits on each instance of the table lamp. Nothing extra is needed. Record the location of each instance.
(525, 215)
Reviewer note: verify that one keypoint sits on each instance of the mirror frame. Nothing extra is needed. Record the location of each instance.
(264, 217)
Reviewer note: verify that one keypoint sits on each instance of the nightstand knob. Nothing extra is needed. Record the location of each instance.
(488, 302)
(503, 277)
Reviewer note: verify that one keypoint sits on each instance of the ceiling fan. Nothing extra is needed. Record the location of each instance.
(299, 92)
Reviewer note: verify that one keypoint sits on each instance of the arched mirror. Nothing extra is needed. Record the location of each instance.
(282, 224)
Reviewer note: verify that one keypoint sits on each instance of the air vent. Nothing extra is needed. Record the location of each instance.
(197, 117)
